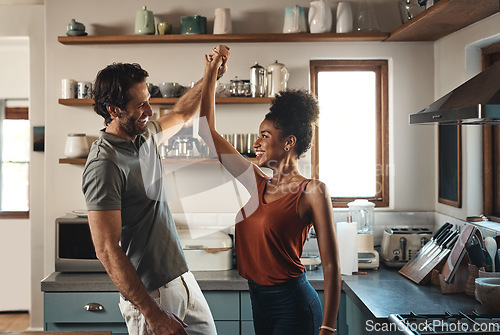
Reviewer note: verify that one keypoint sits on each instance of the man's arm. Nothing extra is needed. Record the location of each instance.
(105, 227)
(189, 103)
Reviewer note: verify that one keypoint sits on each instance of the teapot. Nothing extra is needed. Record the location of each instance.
(320, 17)
(144, 22)
(277, 78)
(295, 20)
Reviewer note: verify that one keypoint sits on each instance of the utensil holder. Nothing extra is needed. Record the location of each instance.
(457, 285)
(470, 285)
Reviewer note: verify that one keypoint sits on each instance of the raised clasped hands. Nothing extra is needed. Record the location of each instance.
(218, 57)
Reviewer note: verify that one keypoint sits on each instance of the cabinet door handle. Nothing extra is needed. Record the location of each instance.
(94, 307)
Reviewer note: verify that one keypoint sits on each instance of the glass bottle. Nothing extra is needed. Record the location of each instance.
(366, 19)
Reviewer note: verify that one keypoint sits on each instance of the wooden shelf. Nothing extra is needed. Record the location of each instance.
(444, 18)
(171, 101)
(72, 160)
(171, 160)
(224, 38)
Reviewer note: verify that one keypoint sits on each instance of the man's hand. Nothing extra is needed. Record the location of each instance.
(223, 51)
(167, 324)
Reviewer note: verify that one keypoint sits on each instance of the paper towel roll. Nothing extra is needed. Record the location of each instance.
(348, 247)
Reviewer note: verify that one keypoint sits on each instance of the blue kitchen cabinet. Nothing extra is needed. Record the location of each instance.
(65, 311)
(73, 311)
(246, 314)
(225, 307)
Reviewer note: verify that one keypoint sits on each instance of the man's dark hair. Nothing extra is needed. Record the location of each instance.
(112, 85)
(294, 112)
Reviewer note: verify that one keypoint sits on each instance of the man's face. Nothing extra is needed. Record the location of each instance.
(137, 112)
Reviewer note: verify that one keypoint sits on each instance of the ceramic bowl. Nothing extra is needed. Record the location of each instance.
(487, 292)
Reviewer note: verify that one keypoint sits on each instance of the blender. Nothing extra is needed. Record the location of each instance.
(362, 213)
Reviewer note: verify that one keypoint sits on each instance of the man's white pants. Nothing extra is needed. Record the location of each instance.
(181, 296)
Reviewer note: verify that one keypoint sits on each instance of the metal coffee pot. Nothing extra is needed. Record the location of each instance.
(258, 81)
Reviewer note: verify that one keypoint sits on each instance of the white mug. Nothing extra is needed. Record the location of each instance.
(344, 18)
(84, 90)
(222, 21)
(68, 89)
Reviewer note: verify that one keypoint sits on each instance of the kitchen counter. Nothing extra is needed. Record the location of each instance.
(379, 293)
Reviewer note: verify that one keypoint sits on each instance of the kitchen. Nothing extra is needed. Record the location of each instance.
(434, 68)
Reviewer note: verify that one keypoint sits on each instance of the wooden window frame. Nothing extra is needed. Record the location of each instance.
(380, 67)
(16, 113)
(491, 150)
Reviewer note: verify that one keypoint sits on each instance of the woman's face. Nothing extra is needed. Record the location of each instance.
(269, 147)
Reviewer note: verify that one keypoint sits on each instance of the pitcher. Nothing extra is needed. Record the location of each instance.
(277, 78)
(222, 21)
(144, 22)
(320, 17)
(295, 20)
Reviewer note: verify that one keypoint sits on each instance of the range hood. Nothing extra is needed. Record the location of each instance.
(477, 101)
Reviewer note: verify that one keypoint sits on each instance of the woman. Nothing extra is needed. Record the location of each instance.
(275, 222)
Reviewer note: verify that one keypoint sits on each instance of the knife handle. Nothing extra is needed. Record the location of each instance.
(441, 231)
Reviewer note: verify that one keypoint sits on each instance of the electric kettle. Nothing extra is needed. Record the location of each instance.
(277, 78)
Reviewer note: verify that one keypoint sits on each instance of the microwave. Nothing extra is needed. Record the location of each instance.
(74, 247)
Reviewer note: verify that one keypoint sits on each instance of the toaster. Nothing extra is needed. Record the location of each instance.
(399, 245)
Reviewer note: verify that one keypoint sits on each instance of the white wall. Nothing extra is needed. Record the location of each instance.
(457, 59)
(28, 21)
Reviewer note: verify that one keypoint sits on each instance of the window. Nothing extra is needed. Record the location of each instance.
(491, 151)
(350, 147)
(14, 168)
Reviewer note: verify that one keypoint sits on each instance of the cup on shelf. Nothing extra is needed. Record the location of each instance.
(68, 89)
(84, 90)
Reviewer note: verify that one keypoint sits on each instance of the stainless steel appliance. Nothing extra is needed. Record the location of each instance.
(477, 101)
(445, 323)
(399, 245)
(74, 248)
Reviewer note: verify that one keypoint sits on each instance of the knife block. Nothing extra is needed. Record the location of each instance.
(458, 283)
(470, 286)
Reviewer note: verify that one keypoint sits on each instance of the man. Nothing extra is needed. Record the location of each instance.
(131, 224)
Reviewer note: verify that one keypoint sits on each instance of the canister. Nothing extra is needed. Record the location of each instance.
(258, 81)
(76, 146)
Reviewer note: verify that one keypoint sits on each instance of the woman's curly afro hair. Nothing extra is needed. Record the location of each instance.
(295, 112)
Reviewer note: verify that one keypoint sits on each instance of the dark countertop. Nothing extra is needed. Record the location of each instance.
(379, 293)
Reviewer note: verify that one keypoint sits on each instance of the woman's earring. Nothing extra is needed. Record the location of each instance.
(287, 149)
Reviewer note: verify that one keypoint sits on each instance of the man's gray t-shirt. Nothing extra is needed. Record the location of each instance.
(127, 176)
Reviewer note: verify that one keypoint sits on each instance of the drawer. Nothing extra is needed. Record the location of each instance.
(225, 305)
(70, 307)
(115, 328)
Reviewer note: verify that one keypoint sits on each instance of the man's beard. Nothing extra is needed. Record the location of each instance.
(130, 125)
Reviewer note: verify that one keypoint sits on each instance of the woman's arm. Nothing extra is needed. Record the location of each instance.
(319, 204)
(232, 160)
(189, 103)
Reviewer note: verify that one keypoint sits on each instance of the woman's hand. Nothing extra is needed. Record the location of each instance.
(221, 51)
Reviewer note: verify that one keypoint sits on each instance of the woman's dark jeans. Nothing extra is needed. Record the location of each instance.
(291, 308)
